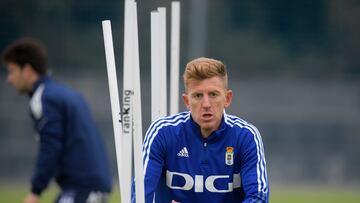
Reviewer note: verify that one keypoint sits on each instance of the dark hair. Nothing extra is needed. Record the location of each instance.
(27, 51)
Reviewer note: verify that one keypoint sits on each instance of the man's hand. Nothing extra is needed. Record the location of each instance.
(31, 198)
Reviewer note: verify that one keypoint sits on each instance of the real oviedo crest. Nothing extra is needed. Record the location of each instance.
(229, 156)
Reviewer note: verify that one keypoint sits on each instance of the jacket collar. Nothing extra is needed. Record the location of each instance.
(41, 80)
(215, 135)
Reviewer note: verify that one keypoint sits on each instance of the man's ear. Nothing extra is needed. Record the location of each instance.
(186, 100)
(228, 97)
(29, 74)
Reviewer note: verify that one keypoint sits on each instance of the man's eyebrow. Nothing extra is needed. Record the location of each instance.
(196, 93)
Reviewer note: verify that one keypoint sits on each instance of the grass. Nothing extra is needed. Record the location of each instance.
(314, 195)
(16, 193)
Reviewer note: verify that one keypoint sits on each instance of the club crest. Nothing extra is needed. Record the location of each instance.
(229, 156)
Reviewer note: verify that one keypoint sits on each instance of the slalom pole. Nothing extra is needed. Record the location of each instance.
(128, 93)
(155, 64)
(114, 94)
(175, 57)
(137, 133)
(163, 64)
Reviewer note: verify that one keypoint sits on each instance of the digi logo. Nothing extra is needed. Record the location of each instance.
(199, 184)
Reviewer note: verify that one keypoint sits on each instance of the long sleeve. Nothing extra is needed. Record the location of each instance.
(158, 144)
(153, 159)
(49, 125)
(253, 170)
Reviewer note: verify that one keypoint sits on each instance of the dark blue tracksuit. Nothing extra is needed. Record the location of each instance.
(228, 166)
(70, 146)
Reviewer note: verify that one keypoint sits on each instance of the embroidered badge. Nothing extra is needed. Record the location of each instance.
(229, 156)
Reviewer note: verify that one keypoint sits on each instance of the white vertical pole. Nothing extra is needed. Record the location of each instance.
(163, 64)
(114, 94)
(128, 93)
(137, 134)
(155, 64)
(175, 57)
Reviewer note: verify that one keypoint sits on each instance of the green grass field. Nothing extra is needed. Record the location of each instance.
(15, 194)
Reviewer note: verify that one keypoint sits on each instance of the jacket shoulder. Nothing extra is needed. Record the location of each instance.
(240, 125)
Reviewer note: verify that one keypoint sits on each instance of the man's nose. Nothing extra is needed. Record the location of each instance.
(206, 101)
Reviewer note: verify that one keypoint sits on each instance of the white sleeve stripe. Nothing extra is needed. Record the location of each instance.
(147, 146)
(257, 136)
(261, 171)
(262, 164)
(147, 152)
(161, 120)
(156, 124)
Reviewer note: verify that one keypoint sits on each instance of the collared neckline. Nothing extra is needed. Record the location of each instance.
(41, 80)
(215, 135)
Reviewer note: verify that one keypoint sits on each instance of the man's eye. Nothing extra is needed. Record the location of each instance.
(213, 94)
(197, 96)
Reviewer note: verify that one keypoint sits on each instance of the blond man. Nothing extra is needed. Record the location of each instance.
(204, 154)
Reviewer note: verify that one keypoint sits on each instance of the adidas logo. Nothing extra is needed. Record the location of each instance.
(183, 152)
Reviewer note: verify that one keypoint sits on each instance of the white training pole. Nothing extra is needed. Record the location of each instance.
(114, 93)
(128, 93)
(155, 64)
(175, 57)
(163, 64)
(137, 133)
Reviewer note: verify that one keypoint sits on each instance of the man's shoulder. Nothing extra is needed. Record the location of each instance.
(169, 122)
(59, 91)
(172, 120)
(55, 87)
(239, 124)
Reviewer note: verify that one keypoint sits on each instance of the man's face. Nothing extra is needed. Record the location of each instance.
(206, 99)
(17, 77)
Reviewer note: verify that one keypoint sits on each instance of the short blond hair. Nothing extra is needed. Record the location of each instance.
(204, 68)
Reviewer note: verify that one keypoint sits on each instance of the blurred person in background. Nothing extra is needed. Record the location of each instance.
(205, 154)
(70, 147)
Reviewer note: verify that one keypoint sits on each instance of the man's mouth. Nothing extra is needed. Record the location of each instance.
(207, 116)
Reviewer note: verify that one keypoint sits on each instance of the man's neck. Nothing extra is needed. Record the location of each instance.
(205, 133)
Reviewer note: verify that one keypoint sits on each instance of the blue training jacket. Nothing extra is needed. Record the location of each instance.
(180, 165)
(70, 146)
